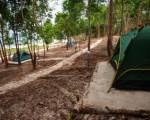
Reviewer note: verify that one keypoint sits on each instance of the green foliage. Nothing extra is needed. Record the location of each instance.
(72, 13)
(47, 32)
(9, 40)
(72, 21)
(98, 15)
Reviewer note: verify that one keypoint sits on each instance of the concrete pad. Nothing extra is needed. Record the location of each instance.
(98, 97)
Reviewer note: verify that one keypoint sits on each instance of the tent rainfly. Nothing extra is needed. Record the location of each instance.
(131, 60)
(23, 56)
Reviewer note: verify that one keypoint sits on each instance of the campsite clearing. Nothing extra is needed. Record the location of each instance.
(41, 99)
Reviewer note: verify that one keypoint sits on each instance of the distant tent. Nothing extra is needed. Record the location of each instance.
(131, 60)
(23, 56)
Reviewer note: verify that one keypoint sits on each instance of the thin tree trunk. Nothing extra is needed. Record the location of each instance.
(138, 17)
(16, 36)
(139, 22)
(9, 52)
(105, 25)
(44, 49)
(47, 46)
(148, 12)
(44, 52)
(89, 33)
(29, 50)
(126, 23)
(34, 54)
(89, 26)
(2, 52)
(3, 46)
(17, 48)
(109, 42)
(122, 15)
(1, 56)
(34, 25)
(68, 42)
(98, 31)
(37, 48)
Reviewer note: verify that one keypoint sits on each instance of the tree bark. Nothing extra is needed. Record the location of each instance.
(89, 26)
(34, 25)
(67, 44)
(122, 16)
(148, 12)
(44, 49)
(3, 46)
(109, 41)
(1, 56)
(98, 31)
(17, 46)
(15, 35)
(126, 23)
(9, 52)
(47, 46)
(138, 17)
(2, 52)
(38, 51)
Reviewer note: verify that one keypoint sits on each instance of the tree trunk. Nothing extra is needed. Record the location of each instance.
(44, 49)
(16, 35)
(16, 38)
(109, 42)
(38, 49)
(148, 12)
(29, 50)
(34, 61)
(68, 42)
(2, 52)
(9, 52)
(1, 56)
(17, 47)
(33, 27)
(34, 55)
(138, 17)
(126, 23)
(122, 17)
(89, 26)
(3, 46)
(47, 46)
(98, 31)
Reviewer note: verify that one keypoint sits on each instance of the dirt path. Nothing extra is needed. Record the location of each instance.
(57, 58)
(51, 58)
(32, 77)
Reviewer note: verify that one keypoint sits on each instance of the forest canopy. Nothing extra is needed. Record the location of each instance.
(29, 22)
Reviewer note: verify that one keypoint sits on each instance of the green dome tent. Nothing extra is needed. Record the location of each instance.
(131, 60)
(23, 56)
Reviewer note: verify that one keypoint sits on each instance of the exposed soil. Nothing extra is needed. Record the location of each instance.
(41, 100)
(16, 72)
